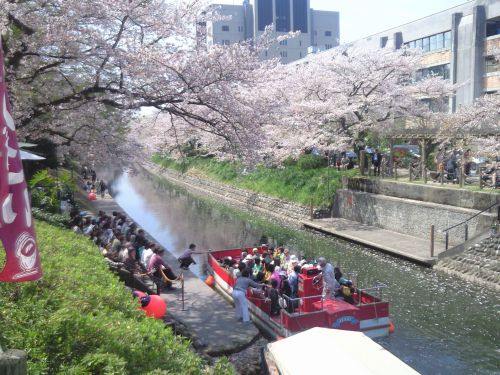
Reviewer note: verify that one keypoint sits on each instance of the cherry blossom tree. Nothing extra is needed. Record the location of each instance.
(337, 95)
(477, 125)
(80, 70)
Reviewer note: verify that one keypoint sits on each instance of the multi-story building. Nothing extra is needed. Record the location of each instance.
(319, 30)
(457, 44)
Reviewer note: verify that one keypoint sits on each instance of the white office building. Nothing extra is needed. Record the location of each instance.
(319, 30)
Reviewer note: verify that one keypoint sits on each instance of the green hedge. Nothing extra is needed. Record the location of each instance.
(80, 319)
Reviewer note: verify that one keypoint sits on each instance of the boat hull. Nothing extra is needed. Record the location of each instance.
(369, 318)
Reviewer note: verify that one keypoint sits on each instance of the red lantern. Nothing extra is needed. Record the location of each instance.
(92, 196)
(154, 306)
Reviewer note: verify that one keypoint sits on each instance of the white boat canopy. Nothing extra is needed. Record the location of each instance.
(332, 351)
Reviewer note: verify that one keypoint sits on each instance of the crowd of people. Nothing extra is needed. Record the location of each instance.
(274, 275)
(125, 247)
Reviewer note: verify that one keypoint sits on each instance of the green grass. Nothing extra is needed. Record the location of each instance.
(297, 181)
(80, 319)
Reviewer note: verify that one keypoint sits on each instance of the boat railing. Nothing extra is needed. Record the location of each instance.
(292, 301)
(375, 291)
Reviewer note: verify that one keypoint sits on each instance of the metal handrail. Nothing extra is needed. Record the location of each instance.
(470, 218)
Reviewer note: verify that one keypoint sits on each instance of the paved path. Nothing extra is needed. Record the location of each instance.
(402, 245)
(207, 316)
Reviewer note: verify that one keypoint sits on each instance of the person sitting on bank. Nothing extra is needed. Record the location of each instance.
(160, 271)
(243, 282)
(186, 259)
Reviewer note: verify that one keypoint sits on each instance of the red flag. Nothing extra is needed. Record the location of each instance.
(17, 231)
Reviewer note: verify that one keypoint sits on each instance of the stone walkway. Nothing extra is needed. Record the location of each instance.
(401, 245)
(207, 316)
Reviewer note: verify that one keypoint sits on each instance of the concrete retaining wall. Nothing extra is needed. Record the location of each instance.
(426, 193)
(407, 216)
(245, 199)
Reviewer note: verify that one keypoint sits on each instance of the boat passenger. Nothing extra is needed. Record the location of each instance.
(276, 276)
(268, 271)
(239, 295)
(237, 271)
(293, 280)
(268, 257)
(273, 295)
(293, 262)
(257, 267)
(285, 258)
(331, 287)
(255, 253)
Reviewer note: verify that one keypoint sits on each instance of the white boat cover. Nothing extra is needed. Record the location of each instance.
(333, 351)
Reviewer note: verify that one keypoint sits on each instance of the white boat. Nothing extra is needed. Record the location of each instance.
(331, 351)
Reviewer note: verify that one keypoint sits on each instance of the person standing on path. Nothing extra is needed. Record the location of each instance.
(102, 188)
(239, 294)
(376, 161)
(186, 259)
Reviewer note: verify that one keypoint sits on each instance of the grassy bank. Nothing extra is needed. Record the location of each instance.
(80, 319)
(296, 181)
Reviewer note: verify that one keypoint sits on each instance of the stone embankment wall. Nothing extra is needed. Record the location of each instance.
(272, 207)
(409, 216)
(445, 195)
(479, 263)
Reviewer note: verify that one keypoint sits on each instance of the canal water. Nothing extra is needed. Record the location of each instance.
(444, 325)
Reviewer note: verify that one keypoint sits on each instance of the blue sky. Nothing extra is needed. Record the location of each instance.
(360, 18)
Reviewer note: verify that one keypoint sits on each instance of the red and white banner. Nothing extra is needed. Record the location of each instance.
(17, 232)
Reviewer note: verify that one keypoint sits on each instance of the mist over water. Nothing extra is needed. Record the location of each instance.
(444, 325)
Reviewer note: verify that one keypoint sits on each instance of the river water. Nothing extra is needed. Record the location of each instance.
(443, 325)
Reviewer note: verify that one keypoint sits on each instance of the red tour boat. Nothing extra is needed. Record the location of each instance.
(366, 313)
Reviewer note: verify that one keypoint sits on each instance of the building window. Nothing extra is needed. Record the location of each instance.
(434, 71)
(283, 42)
(284, 54)
(225, 28)
(426, 44)
(432, 43)
(300, 13)
(300, 43)
(328, 46)
(300, 54)
(283, 16)
(383, 41)
(493, 27)
(265, 53)
(264, 13)
(492, 65)
(225, 42)
(328, 33)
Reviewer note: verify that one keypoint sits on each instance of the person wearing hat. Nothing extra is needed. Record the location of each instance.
(331, 286)
(292, 263)
(255, 253)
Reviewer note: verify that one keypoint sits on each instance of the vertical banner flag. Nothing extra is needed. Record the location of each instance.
(17, 232)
